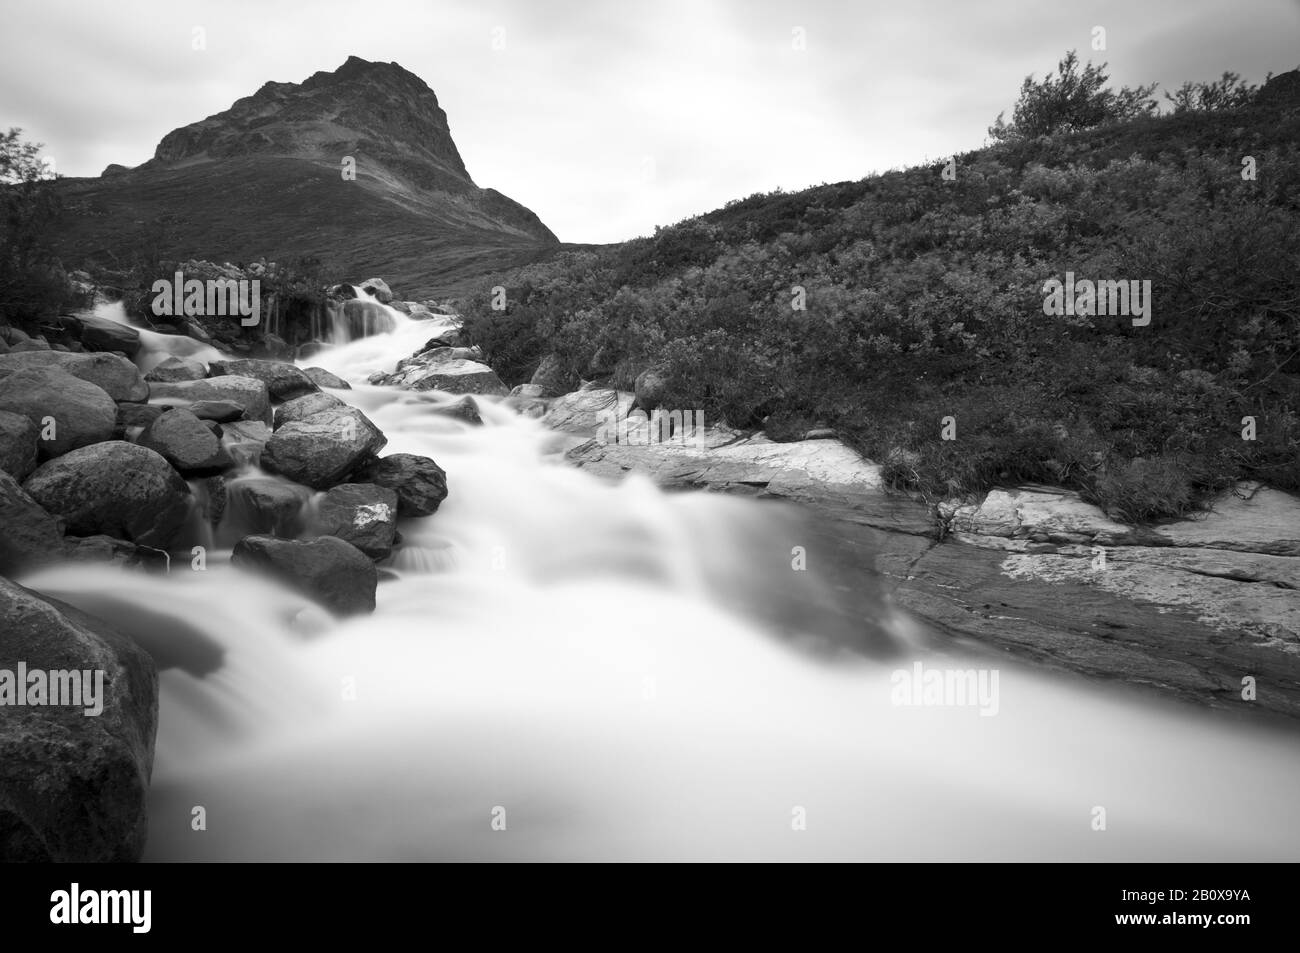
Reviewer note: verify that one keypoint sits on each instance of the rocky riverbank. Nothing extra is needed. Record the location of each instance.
(1206, 609)
(103, 463)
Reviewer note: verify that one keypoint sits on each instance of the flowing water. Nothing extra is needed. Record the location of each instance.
(564, 669)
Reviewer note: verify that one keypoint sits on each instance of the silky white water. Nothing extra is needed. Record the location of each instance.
(564, 669)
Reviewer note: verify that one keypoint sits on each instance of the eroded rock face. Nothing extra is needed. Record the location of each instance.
(323, 449)
(73, 788)
(68, 412)
(114, 488)
(587, 411)
(334, 573)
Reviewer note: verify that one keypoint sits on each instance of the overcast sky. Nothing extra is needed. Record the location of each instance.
(608, 118)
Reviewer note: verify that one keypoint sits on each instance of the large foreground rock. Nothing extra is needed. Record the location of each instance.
(74, 788)
(334, 573)
(248, 392)
(29, 536)
(420, 484)
(186, 443)
(323, 449)
(115, 375)
(362, 514)
(114, 488)
(79, 412)
(101, 334)
(283, 381)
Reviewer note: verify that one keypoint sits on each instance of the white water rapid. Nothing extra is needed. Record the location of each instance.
(583, 665)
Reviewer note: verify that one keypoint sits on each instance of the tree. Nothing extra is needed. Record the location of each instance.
(1071, 100)
(31, 280)
(1229, 92)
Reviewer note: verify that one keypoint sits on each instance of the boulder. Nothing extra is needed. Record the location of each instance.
(69, 411)
(266, 505)
(74, 788)
(650, 389)
(323, 449)
(379, 288)
(116, 552)
(18, 445)
(465, 409)
(552, 379)
(455, 376)
(113, 374)
(248, 392)
(175, 369)
(1248, 518)
(305, 406)
(334, 573)
(138, 415)
(283, 381)
(29, 536)
(218, 411)
(323, 378)
(588, 411)
(420, 484)
(362, 514)
(272, 347)
(101, 334)
(186, 443)
(365, 318)
(115, 488)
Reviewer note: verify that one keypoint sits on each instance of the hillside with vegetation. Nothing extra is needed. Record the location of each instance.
(923, 298)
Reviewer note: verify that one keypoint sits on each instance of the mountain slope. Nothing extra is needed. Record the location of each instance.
(264, 179)
(885, 307)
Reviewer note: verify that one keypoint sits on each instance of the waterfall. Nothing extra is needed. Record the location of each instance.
(560, 668)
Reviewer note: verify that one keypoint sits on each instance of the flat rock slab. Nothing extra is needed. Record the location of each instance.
(1249, 518)
(787, 468)
(1067, 621)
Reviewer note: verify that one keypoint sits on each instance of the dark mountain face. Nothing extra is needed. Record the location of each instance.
(265, 178)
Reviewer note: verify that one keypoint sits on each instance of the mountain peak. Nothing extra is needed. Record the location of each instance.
(379, 111)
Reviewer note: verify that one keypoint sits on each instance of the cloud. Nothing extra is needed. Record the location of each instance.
(608, 119)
